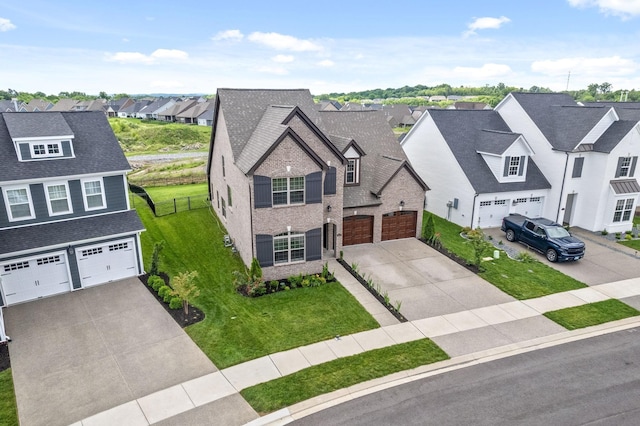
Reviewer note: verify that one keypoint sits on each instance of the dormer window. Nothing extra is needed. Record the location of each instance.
(44, 150)
(352, 175)
(514, 166)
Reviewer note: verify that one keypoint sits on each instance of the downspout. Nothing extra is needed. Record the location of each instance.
(564, 177)
(251, 220)
(473, 209)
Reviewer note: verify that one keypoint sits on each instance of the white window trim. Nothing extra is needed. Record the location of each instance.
(46, 195)
(623, 210)
(288, 192)
(625, 167)
(518, 166)
(288, 236)
(46, 144)
(8, 207)
(84, 194)
(356, 171)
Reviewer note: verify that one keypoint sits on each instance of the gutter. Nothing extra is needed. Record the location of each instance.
(564, 177)
(473, 209)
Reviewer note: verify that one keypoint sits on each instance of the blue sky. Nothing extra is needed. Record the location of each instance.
(327, 46)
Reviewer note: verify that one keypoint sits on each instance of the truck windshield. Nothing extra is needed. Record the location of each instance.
(557, 232)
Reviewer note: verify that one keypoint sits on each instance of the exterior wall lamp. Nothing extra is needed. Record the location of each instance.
(329, 208)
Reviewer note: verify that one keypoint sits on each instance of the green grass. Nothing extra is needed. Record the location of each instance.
(341, 373)
(522, 280)
(592, 314)
(8, 409)
(142, 136)
(237, 328)
(164, 193)
(634, 244)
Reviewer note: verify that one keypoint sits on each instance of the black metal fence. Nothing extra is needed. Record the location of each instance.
(175, 205)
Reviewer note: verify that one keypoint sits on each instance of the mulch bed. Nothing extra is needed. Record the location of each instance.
(195, 315)
(5, 362)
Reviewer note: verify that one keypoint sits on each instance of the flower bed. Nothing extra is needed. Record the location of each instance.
(195, 315)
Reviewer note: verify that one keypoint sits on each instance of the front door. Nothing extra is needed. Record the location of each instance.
(568, 209)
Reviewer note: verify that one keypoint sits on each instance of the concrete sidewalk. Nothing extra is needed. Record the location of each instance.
(500, 327)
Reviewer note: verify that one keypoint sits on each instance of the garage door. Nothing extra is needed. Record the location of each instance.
(400, 224)
(33, 278)
(529, 206)
(490, 213)
(102, 263)
(357, 230)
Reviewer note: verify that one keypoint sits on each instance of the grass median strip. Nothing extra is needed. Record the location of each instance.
(592, 314)
(8, 409)
(522, 280)
(341, 373)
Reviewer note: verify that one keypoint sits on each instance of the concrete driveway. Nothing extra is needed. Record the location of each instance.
(81, 353)
(428, 283)
(604, 261)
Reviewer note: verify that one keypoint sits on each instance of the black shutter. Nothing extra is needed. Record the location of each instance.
(313, 187)
(577, 167)
(313, 244)
(619, 166)
(632, 170)
(262, 191)
(521, 171)
(264, 250)
(506, 166)
(330, 181)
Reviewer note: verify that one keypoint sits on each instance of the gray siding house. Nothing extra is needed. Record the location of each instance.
(65, 219)
(293, 185)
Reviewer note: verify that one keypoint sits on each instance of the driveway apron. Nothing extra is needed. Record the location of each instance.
(81, 353)
(427, 283)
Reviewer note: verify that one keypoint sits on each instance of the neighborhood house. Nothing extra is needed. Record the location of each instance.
(293, 185)
(65, 219)
(536, 154)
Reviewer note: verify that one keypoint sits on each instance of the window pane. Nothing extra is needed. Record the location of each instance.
(39, 150)
(92, 188)
(617, 216)
(16, 196)
(279, 198)
(297, 255)
(20, 210)
(94, 201)
(629, 203)
(279, 184)
(59, 206)
(280, 244)
(297, 242)
(57, 192)
(280, 257)
(626, 215)
(297, 183)
(297, 197)
(53, 148)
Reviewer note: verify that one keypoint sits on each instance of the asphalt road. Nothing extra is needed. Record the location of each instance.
(593, 381)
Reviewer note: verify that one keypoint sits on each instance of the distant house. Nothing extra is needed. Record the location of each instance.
(36, 105)
(329, 105)
(171, 114)
(437, 98)
(470, 105)
(131, 110)
(64, 105)
(65, 219)
(113, 107)
(9, 106)
(191, 114)
(206, 118)
(398, 115)
(151, 111)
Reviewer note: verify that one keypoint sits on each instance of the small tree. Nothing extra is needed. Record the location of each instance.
(184, 286)
(429, 229)
(255, 272)
(478, 243)
(155, 258)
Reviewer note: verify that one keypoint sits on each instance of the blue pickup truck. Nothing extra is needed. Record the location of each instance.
(544, 235)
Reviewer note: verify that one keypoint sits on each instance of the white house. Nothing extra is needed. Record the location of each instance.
(538, 154)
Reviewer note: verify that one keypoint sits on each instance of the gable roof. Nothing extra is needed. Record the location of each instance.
(384, 155)
(196, 110)
(95, 146)
(496, 142)
(64, 105)
(465, 132)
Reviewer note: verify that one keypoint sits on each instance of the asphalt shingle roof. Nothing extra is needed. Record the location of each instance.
(95, 146)
(464, 132)
(69, 231)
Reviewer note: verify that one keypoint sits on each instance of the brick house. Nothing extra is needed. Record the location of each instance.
(292, 184)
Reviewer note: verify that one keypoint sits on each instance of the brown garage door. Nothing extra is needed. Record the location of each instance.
(401, 224)
(357, 230)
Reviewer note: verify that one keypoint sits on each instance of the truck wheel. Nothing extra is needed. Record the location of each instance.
(511, 236)
(552, 255)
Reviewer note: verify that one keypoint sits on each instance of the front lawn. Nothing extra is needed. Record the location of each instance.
(164, 193)
(341, 373)
(592, 314)
(634, 244)
(8, 409)
(236, 328)
(522, 280)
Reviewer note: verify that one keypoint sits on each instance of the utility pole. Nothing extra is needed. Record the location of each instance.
(568, 77)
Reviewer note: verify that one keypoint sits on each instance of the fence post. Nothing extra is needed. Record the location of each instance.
(175, 208)
(189, 203)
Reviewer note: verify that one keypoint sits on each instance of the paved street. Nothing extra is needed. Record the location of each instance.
(591, 381)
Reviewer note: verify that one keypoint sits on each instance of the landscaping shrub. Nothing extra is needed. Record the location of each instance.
(155, 258)
(162, 291)
(155, 282)
(295, 280)
(175, 303)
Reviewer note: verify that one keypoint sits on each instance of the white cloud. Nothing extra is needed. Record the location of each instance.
(273, 70)
(233, 35)
(283, 59)
(166, 84)
(487, 71)
(614, 65)
(622, 8)
(125, 40)
(486, 23)
(283, 42)
(326, 63)
(141, 58)
(6, 25)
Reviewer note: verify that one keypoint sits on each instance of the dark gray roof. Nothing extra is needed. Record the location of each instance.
(626, 186)
(384, 155)
(613, 135)
(243, 110)
(206, 115)
(95, 146)
(496, 142)
(36, 125)
(463, 132)
(69, 231)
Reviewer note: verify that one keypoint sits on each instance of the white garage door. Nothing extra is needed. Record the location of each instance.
(530, 207)
(490, 213)
(107, 262)
(33, 278)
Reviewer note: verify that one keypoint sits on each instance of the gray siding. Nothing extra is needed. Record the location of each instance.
(115, 196)
(25, 152)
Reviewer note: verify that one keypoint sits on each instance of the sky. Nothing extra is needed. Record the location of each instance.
(326, 46)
